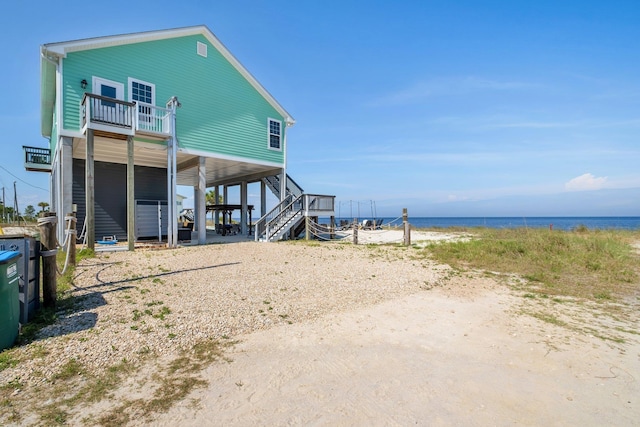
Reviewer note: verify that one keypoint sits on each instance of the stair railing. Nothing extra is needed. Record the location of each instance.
(283, 222)
(293, 186)
(261, 224)
(273, 182)
(278, 217)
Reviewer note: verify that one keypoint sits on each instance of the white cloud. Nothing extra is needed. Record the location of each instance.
(585, 182)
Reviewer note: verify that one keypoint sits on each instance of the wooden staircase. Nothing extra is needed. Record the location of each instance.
(289, 216)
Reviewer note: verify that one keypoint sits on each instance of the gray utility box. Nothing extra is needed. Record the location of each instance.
(152, 220)
(29, 271)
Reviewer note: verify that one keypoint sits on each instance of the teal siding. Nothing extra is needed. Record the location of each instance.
(221, 112)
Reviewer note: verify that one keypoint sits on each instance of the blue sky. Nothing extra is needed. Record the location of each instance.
(447, 108)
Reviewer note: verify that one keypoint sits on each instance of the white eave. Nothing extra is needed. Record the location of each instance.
(63, 48)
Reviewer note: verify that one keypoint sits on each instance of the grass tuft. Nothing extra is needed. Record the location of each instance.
(7, 360)
(595, 265)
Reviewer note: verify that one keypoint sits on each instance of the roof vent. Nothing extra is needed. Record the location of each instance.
(202, 49)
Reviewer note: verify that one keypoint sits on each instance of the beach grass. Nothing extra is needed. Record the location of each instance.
(598, 265)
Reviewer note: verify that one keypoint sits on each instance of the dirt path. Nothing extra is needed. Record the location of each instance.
(426, 359)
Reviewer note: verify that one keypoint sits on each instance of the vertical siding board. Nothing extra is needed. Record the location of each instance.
(221, 112)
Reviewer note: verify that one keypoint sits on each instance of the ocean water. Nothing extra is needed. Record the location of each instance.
(558, 223)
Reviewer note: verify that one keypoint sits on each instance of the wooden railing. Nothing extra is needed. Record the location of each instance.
(273, 216)
(317, 204)
(280, 218)
(100, 111)
(273, 182)
(117, 116)
(37, 159)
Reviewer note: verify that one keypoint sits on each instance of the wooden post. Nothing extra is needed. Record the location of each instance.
(332, 229)
(216, 212)
(407, 227)
(72, 238)
(48, 242)
(90, 193)
(307, 232)
(224, 223)
(355, 231)
(263, 198)
(131, 208)
(244, 207)
(201, 205)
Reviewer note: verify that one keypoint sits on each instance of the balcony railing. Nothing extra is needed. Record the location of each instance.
(153, 119)
(37, 159)
(316, 204)
(107, 114)
(117, 116)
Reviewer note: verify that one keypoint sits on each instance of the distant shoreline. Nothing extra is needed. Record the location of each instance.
(555, 222)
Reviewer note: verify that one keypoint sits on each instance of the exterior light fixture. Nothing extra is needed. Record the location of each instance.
(83, 84)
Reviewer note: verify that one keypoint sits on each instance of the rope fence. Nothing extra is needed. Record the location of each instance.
(370, 231)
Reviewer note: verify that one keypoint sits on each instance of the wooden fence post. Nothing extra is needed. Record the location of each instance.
(355, 231)
(332, 228)
(47, 227)
(72, 238)
(407, 227)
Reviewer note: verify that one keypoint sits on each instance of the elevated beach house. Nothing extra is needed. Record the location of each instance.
(131, 116)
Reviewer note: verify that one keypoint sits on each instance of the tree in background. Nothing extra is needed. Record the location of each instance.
(29, 213)
(44, 207)
(7, 213)
(211, 200)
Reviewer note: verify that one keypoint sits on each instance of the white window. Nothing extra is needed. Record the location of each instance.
(144, 94)
(275, 134)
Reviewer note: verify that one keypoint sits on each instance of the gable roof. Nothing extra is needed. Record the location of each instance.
(61, 49)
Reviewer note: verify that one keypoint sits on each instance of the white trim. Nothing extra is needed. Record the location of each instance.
(269, 120)
(62, 48)
(58, 101)
(145, 111)
(211, 155)
(130, 81)
(201, 49)
(54, 159)
(98, 81)
(284, 153)
(72, 133)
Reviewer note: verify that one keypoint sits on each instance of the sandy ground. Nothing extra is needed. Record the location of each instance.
(432, 358)
(373, 340)
(394, 235)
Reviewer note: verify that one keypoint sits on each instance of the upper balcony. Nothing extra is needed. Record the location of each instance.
(115, 116)
(37, 159)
